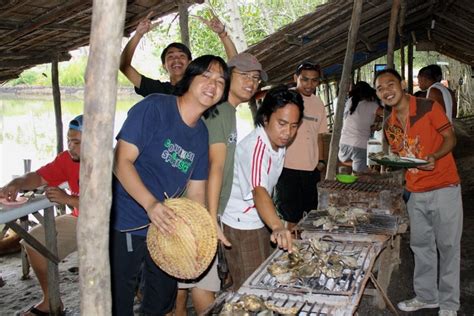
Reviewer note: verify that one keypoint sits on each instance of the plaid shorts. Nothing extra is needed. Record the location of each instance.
(249, 249)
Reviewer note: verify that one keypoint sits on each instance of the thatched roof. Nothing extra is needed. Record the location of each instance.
(321, 36)
(36, 32)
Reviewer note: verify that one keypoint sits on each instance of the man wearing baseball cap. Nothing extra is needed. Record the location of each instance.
(64, 168)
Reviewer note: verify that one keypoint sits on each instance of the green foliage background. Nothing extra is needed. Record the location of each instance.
(203, 40)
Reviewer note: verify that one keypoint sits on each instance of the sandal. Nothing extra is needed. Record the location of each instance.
(33, 310)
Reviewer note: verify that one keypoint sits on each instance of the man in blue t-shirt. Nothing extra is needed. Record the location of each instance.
(162, 151)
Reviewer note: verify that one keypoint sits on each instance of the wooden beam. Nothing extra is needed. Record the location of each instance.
(108, 17)
(410, 66)
(343, 89)
(33, 61)
(12, 6)
(392, 32)
(8, 77)
(183, 22)
(63, 9)
(57, 105)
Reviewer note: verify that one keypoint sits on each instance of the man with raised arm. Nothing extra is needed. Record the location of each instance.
(175, 57)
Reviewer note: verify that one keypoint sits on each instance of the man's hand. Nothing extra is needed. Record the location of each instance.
(146, 25)
(162, 217)
(214, 23)
(57, 195)
(10, 191)
(222, 237)
(430, 165)
(320, 166)
(282, 237)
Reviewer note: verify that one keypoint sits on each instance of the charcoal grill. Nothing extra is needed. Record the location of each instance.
(283, 300)
(378, 192)
(376, 224)
(381, 196)
(314, 296)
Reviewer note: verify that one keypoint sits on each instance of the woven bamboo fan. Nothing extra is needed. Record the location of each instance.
(188, 252)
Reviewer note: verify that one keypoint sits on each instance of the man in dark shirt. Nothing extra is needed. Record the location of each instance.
(175, 57)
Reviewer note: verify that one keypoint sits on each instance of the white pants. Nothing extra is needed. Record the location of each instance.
(436, 224)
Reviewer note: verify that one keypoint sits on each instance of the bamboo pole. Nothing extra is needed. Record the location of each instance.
(108, 17)
(343, 89)
(57, 105)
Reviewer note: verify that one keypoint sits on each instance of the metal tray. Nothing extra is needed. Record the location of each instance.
(402, 163)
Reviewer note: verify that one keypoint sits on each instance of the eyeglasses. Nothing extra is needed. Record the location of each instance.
(249, 76)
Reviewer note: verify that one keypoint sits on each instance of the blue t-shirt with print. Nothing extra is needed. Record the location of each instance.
(170, 154)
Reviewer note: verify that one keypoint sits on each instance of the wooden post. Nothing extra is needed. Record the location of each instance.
(100, 97)
(57, 105)
(392, 33)
(343, 89)
(410, 66)
(53, 273)
(183, 22)
(402, 59)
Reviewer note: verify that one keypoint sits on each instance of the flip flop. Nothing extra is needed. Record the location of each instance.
(33, 310)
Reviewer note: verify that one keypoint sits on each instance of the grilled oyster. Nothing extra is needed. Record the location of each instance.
(277, 269)
(252, 303)
(308, 270)
(280, 309)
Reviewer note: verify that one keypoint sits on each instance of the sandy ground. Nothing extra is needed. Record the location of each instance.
(17, 295)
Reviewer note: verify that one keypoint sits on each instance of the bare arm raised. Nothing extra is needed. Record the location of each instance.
(126, 57)
(219, 28)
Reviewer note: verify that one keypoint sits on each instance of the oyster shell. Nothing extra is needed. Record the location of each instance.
(252, 303)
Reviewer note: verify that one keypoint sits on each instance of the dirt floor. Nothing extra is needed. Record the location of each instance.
(17, 294)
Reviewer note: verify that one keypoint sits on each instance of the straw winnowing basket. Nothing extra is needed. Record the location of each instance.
(188, 252)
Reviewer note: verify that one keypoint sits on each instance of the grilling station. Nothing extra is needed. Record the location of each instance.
(346, 248)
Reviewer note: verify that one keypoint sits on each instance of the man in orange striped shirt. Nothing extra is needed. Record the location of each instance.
(419, 128)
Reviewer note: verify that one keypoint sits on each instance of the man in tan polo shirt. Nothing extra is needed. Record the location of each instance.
(296, 192)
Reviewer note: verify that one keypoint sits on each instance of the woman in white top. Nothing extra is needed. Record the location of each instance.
(361, 111)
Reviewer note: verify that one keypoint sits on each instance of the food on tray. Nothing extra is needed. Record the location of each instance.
(396, 161)
(253, 304)
(381, 156)
(310, 260)
(19, 200)
(342, 216)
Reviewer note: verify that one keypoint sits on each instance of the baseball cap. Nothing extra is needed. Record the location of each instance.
(247, 62)
(76, 123)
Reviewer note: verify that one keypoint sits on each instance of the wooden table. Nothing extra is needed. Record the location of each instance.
(9, 215)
